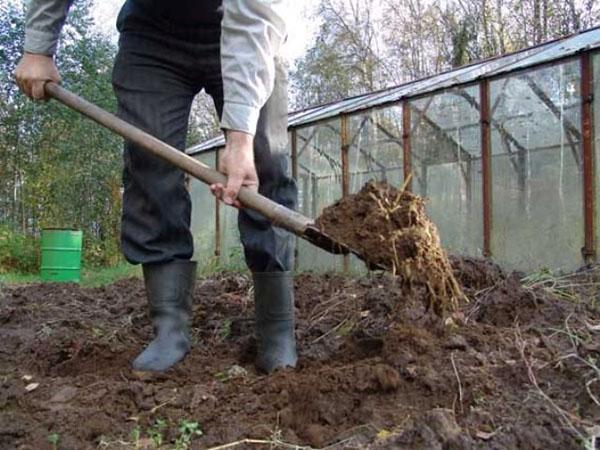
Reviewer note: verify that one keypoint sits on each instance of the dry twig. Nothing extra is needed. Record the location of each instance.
(567, 417)
(460, 392)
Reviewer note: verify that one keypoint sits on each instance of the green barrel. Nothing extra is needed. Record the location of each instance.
(61, 254)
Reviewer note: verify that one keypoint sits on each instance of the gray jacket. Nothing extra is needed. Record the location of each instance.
(253, 32)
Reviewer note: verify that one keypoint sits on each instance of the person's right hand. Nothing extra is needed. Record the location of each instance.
(33, 71)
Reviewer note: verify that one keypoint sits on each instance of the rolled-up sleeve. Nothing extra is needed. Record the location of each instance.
(43, 24)
(253, 32)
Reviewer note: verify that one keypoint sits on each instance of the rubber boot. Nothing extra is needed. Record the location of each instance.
(169, 288)
(274, 318)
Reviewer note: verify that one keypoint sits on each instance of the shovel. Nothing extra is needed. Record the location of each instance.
(279, 215)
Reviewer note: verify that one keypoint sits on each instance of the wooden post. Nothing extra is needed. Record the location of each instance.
(484, 95)
(407, 160)
(294, 162)
(345, 144)
(587, 128)
(217, 217)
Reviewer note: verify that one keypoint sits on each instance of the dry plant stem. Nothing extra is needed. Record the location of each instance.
(589, 391)
(460, 392)
(277, 443)
(332, 330)
(257, 442)
(566, 416)
(157, 407)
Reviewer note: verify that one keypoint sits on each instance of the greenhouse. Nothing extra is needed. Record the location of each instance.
(504, 151)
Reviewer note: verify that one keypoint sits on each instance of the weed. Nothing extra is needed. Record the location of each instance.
(136, 434)
(54, 439)
(231, 262)
(222, 377)
(563, 286)
(345, 328)
(478, 399)
(187, 431)
(19, 252)
(97, 332)
(156, 432)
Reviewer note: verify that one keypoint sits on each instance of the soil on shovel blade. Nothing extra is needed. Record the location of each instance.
(516, 372)
(390, 229)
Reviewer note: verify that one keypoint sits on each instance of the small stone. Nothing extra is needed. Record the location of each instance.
(27, 378)
(65, 394)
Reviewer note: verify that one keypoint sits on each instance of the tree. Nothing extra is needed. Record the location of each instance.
(345, 59)
(61, 169)
(363, 45)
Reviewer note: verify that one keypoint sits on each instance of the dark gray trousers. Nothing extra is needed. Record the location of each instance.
(160, 66)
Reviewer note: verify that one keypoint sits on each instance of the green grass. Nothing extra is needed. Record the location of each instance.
(90, 277)
(100, 277)
(17, 278)
(94, 276)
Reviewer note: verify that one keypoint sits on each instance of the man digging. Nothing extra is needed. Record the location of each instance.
(168, 52)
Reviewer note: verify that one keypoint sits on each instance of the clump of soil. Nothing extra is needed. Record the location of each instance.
(390, 229)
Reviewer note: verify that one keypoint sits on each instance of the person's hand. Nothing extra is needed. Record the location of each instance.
(237, 162)
(32, 72)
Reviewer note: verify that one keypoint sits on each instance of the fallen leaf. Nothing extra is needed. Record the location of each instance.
(484, 435)
(27, 378)
(31, 387)
(383, 434)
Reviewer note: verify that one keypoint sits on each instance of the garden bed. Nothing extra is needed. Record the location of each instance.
(513, 368)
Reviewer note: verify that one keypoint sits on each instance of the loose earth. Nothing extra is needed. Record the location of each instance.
(511, 369)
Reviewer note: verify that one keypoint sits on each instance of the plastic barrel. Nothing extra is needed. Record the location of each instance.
(61, 255)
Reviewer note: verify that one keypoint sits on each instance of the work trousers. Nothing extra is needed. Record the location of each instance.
(160, 66)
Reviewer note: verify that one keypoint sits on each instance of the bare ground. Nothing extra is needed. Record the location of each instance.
(516, 368)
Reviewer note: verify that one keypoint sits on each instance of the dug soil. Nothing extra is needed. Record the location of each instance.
(389, 229)
(515, 368)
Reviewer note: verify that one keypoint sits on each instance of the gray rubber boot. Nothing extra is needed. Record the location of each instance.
(169, 288)
(274, 318)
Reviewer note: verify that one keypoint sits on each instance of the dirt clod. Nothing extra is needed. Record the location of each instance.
(390, 229)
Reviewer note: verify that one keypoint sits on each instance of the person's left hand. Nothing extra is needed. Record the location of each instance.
(237, 162)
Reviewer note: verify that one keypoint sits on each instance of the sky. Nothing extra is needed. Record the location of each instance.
(300, 26)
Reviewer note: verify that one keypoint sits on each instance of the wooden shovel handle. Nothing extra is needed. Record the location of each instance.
(276, 213)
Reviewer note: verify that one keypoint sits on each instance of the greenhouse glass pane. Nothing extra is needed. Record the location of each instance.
(537, 218)
(446, 166)
(319, 185)
(375, 150)
(203, 215)
(231, 251)
(375, 153)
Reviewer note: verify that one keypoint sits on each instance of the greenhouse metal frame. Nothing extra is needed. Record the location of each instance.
(504, 150)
